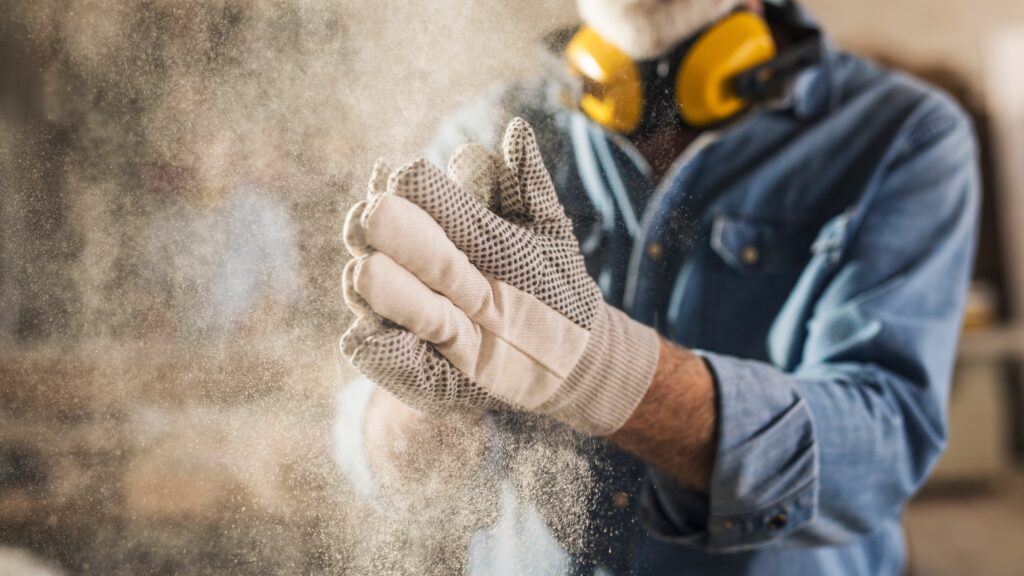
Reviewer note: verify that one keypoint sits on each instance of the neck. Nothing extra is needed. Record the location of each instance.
(662, 146)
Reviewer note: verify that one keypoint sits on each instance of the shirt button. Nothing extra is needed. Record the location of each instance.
(750, 255)
(620, 500)
(777, 522)
(654, 251)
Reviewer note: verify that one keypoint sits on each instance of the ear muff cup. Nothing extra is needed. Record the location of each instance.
(613, 88)
(735, 44)
(613, 94)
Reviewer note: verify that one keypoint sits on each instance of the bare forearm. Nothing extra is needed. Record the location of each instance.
(673, 428)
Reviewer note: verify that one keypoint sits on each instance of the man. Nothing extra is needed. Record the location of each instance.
(816, 251)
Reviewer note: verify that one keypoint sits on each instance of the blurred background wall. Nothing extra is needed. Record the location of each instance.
(924, 33)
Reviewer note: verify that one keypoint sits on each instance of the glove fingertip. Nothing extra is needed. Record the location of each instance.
(476, 170)
(355, 302)
(378, 179)
(519, 137)
(358, 333)
(354, 233)
(409, 172)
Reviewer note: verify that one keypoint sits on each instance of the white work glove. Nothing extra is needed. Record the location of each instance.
(488, 311)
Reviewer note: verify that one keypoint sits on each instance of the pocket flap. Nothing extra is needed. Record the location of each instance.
(760, 246)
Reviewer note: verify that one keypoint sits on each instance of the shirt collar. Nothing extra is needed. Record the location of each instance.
(813, 89)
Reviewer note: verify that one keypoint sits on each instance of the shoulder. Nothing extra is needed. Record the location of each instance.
(920, 112)
(928, 172)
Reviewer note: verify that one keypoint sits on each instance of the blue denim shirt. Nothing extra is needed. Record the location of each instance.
(817, 254)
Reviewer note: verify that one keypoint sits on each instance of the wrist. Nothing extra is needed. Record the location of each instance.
(674, 427)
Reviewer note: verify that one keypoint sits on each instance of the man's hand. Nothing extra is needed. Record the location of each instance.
(487, 311)
(408, 367)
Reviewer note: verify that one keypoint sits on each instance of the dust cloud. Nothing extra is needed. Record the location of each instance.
(174, 177)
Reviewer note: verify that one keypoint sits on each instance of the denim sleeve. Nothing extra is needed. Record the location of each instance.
(818, 454)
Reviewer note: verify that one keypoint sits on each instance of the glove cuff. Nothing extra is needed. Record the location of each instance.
(612, 376)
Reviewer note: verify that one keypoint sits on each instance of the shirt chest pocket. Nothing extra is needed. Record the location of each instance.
(749, 272)
(752, 248)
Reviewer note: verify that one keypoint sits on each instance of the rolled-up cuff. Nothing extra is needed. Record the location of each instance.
(764, 485)
(612, 376)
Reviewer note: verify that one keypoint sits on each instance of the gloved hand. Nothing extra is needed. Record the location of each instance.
(493, 311)
(390, 356)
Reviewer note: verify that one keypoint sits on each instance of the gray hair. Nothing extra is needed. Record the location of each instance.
(648, 28)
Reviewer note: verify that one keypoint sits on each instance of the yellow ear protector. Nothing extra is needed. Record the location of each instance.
(714, 76)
